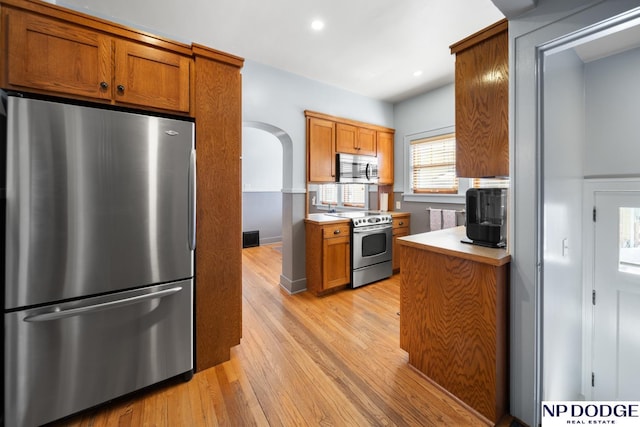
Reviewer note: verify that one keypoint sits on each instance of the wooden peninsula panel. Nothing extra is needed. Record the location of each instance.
(454, 319)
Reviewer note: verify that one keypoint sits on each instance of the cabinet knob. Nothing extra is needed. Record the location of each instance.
(121, 88)
(104, 85)
(336, 231)
(401, 222)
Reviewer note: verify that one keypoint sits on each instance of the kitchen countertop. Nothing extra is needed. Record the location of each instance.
(447, 242)
(322, 218)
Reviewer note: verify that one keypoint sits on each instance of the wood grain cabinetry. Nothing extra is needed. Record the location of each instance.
(328, 256)
(58, 56)
(168, 89)
(321, 150)
(400, 229)
(482, 103)
(355, 140)
(328, 135)
(47, 49)
(218, 302)
(385, 157)
(454, 314)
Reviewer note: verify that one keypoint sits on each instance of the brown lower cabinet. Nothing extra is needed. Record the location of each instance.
(400, 229)
(328, 256)
(454, 317)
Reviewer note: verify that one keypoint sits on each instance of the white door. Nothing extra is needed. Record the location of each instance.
(616, 313)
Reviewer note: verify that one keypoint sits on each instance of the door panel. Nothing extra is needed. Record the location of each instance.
(616, 314)
(59, 57)
(167, 89)
(127, 341)
(97, 201)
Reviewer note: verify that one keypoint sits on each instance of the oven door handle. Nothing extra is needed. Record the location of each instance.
(369, 229)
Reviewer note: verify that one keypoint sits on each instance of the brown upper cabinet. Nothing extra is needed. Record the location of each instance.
(355, 140)
(482, 102)
(50, 50)
(321, 149)
(385, 157)
(169, 87)
(328, 135)
(57, 57)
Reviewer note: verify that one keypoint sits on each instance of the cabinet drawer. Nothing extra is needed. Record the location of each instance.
(331, 232)
(400, 222)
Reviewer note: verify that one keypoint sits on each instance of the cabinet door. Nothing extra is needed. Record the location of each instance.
(397, 233)
(321, 150)
(346, 139)
(151, 77)
(336, 264)
(482, 108)
(366, 142)
(58, 57)
(385, 158)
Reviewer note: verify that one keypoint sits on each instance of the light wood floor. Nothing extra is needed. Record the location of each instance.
(331, 361)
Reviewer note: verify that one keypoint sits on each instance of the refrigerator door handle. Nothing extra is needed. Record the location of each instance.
(62, 314)
(192, 201)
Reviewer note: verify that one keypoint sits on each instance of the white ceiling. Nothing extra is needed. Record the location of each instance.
(371, 47)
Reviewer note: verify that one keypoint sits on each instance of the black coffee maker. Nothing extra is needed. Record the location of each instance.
(487, 216)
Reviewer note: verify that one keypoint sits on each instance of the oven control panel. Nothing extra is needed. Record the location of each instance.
(372, 220)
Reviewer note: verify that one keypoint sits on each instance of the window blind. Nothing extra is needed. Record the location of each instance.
(343, 194)
(433, 165)
(353, 195)
(328, 193)
(490, 182)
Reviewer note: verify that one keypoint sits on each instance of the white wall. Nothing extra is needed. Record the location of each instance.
(613, 134)
(262, 174)
(564, 146)
(273, 96)
(432, 110)
(548, 21)
(261, 161)
(423, 113)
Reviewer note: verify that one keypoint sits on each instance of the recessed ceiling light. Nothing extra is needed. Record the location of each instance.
(317, 25)
(417, 73)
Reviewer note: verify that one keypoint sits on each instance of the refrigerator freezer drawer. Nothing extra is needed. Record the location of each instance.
(64, 358)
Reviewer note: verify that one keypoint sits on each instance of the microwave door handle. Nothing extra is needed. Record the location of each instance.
(366, 171)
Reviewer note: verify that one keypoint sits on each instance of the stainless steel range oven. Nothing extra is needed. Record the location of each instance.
(371, 245)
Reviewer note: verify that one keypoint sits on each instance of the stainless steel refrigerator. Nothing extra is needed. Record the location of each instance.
(98, 255)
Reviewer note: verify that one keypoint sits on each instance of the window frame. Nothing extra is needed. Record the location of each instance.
(339, 195)
(409, 195)
(444, 153)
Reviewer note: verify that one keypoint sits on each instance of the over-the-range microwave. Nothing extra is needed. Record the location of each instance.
(356, 169)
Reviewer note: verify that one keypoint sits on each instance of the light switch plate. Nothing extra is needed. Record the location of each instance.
(398, 205)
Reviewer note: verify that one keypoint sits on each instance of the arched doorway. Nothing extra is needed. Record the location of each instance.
(292, 278)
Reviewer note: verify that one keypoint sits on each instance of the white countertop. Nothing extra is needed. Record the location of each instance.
(448, 242)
